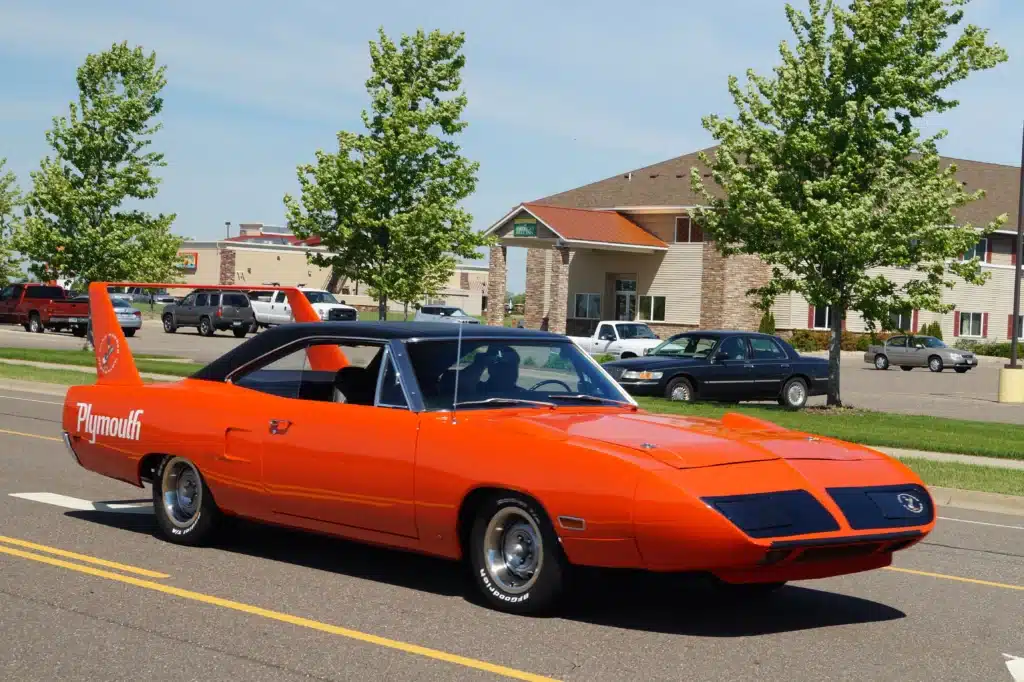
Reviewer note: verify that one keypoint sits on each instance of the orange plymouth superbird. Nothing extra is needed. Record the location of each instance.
(508, 449)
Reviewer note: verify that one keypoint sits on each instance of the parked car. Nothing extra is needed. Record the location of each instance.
(272, 307)
(129, 316)
(210, 311)
(149, 296)
(390, 434)
(443, 313)
(38, 307)
(908, 352)
(618, 338)
(729, 366)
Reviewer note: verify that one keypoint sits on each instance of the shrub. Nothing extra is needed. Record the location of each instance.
(935, 329)
(767, 325)
(604, 357)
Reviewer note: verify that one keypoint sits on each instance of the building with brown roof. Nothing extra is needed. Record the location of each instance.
(626, 248)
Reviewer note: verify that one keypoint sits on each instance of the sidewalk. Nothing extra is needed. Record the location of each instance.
(996, 462)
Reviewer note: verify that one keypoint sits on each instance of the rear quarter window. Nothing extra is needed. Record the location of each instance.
(236, 300)
(44, 292)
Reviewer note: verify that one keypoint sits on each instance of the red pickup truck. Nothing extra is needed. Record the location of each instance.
(38, 307)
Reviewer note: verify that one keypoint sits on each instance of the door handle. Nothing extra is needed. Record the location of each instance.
(279, 427)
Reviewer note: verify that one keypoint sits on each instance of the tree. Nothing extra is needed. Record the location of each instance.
(824, 175)
(10, 224)
(75, 225)
(385, 205)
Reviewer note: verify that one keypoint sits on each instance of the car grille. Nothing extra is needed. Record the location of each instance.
(341, 315)
(615, 372)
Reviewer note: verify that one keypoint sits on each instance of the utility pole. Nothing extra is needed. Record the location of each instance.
(227, 229)
(1011, 382)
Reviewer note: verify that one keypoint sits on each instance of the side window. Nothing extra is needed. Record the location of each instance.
(6, 293)
(606, 333)
(735, 347)
(391, 394)
(766, 349)
(281, 297)
(898, 341)
(189, 300)
(214, 300)
(202, 300)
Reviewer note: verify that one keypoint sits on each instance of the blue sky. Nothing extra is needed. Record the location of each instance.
(561, 93)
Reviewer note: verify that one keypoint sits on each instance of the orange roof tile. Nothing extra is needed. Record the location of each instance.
(576, 224)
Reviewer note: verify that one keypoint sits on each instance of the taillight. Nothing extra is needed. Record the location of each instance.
(220, 312)
(137, 313)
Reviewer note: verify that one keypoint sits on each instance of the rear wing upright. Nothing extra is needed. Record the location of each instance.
(115, 364)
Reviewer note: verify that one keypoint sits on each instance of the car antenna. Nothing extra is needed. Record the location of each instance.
(458, 358)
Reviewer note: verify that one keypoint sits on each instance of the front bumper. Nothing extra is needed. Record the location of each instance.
(642, 387)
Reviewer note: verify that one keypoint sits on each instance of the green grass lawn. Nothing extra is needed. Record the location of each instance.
(936, 434)
(62, 377)
(968, 476)
(86, 358)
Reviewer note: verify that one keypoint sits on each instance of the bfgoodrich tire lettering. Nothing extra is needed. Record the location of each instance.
(515, 557)
(179, 522)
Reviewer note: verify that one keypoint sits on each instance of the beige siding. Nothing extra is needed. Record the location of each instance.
(661, 225)
(674, 274)
(1002, 249)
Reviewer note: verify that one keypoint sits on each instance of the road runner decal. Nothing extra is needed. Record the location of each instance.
(128, 428)
(107, 355)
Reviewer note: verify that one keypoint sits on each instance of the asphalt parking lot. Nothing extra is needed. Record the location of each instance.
(270, 604)
(965, 396)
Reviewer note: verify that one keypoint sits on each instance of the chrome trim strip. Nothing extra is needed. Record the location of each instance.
(67, 443)
(582, 524)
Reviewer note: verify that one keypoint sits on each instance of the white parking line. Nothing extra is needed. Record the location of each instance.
(981, 523)
(28, 400)
(1015, 664)
(86, 505)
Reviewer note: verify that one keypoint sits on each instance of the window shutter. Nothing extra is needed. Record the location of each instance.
(810, 317)
(984, 324)
(1009, 326)
(914, 324)
(956, 323)
(988, 250)
(844, 323)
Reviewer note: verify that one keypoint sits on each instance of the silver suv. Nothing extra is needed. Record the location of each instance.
(444, 313)
(211, 311)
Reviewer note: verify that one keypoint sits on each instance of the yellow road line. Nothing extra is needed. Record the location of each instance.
(30, 435)
(284, 617)
(957, 578)
(82, 557)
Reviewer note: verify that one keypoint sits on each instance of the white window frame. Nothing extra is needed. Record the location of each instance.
(587, 295)
(828, 318)
(689, 231)
(650, 313)
(983, 245)
(981, 325)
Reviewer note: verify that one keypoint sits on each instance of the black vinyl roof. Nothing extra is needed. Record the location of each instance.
(275, 337)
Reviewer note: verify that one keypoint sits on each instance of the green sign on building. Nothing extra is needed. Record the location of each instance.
(524, 227)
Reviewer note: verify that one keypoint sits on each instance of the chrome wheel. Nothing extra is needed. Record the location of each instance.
(881, 362)
(681, 392)
(168, 324)
(182, 492)
(796, 394)
(513, 550)
(935, 364)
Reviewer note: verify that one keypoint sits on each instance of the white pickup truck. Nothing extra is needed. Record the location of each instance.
(272, 307)
(619, 338)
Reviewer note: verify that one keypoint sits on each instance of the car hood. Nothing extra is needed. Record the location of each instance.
(687, 442)
(653, 362)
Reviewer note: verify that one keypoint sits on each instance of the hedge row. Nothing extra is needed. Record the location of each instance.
(996, 350)
(808, 340)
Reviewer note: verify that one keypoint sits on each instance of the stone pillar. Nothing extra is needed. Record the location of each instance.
(724, 303)
(559, 308)
(497, 281)
(712, 287)
(227, 266)
(536, 292)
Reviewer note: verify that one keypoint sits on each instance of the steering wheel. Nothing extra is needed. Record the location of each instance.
(551, 381)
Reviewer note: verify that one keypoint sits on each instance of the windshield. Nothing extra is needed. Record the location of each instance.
(120, 303)
(635, 331)
(512, 373)
(687, 346)
(320, 297)
(453, 312)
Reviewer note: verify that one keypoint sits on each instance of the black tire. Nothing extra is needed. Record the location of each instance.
(129, 332)
(35, 325)
(794, 394)
(626, 356)
(205, 326)
(935, 363)
(961, 370)
(539, 590)
(682, 389)
(169, 326)
(195, 530)
(254, 327)
(240, 333)
(79, 331)
(881, 362)
(906, 368)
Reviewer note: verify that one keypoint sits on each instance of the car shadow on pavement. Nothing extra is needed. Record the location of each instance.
(635, 600)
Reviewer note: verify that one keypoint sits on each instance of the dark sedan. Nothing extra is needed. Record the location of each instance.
(725, 366)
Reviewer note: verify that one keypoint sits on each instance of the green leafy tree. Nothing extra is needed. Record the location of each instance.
(824, 175)
(76, 226)
(10, 225)
(386, 204)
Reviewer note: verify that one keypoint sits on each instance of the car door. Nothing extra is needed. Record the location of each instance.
(185, 313)
(896, 351)
(915, 357)
(347, 463)
(605, 340)
(771, 366)
(730, 375)
(7, 301)
(280, 310)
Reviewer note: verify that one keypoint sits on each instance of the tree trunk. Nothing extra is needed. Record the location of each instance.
(406, 311)
(834, 355)
(382, 308)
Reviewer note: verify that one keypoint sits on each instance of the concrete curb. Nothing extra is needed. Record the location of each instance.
(977, 501)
